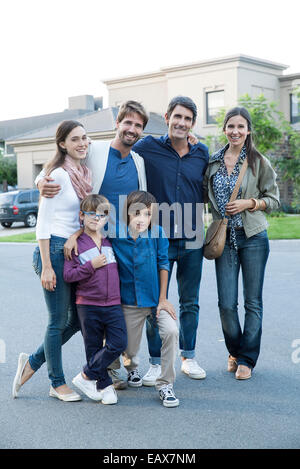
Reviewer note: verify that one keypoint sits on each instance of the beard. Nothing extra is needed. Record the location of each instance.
(128, 143)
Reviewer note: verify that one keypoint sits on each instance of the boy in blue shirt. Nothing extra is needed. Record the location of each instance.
(143, 268)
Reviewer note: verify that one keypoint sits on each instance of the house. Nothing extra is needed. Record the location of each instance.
(213, 84)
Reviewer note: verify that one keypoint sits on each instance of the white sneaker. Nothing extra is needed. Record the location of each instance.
(88, 387)
(166, 394)
(109, 395)
(151, 376)
(192, 369)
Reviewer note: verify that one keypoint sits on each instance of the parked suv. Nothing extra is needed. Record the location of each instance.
(21, 205)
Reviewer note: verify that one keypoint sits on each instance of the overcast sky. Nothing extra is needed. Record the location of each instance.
(51, 50)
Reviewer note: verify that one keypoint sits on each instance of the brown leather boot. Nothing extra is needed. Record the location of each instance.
(232, 364)
(243, 372)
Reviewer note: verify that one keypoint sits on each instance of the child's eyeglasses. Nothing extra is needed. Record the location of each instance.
(96, 216)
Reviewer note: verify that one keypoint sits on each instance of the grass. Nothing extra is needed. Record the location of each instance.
(19, 238)
(282, 227)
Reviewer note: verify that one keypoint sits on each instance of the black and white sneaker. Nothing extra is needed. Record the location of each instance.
(168, 397)
(134, 380)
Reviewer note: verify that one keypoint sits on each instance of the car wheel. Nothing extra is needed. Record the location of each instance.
(30, 220)
(6, 224)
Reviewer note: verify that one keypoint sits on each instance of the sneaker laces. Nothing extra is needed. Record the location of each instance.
(167, 391)
(134, 374)
(193, 365)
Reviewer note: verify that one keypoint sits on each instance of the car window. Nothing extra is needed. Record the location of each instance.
(24, 198)
(6, 198)
(35, 196)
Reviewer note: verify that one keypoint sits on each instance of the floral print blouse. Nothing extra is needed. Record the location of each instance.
(223, 186)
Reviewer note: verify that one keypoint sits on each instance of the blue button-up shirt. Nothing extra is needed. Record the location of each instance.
(139, 264)
(171, 179)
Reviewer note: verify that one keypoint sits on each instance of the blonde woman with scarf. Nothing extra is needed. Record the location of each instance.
(57, 220)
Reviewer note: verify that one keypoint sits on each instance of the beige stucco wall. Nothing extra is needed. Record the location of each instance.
(196, 82)
(236, 76)
(151, 91)
(258, 80)
(30, 159)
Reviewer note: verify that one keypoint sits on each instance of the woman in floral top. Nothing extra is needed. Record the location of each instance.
(247, 244)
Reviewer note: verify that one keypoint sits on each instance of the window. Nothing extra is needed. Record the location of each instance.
(214, 103)
(294, 109)
(24, 198)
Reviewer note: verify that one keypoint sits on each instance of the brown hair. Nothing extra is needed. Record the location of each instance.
(94, 202)
(252, 153)
(183, 101)
(130, 107)
(62, 132)
(141, 199)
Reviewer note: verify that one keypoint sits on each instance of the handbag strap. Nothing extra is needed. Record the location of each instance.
(239, 181)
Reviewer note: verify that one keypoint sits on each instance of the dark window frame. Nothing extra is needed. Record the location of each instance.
(294, 119)
(209, 119)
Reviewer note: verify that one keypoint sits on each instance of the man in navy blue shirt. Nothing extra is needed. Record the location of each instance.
(174, 172)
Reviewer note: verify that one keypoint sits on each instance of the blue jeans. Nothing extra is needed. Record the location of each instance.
(62, 315)
(251, 256)
(189, 270)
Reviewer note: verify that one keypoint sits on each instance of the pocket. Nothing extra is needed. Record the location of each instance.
(36, 261)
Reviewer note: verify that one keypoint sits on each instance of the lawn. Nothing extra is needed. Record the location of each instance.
(19, 238)
(284, 227)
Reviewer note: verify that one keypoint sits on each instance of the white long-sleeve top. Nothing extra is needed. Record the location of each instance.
(59, 216)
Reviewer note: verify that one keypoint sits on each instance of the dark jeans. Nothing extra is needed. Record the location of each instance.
(62, 315)
(97, 322)
(251, 257)
(188, 275)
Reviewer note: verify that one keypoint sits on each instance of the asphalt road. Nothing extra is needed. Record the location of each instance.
(218, 412)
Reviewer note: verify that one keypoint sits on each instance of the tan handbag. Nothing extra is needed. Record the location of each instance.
(216, 232)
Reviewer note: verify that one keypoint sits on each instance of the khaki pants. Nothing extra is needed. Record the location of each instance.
(135, 318)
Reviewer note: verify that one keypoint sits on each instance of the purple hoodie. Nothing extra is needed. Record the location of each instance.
(100, 287)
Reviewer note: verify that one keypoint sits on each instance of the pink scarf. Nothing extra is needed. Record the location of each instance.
(81, 177)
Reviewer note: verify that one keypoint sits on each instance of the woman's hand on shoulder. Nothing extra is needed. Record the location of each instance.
(192, 139)
(48, 278)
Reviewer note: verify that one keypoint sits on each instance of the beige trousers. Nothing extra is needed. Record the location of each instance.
(135, 318)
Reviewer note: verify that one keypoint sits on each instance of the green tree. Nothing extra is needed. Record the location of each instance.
(269, 125)
(8, 169)
(290, 166)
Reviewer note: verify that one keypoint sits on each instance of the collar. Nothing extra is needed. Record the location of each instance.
(219, 155)
(118, 154)
(166, 140)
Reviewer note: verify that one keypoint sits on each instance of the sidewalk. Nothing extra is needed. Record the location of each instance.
(17, 228)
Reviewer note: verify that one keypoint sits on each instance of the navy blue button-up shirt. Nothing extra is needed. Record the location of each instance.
(174, 179)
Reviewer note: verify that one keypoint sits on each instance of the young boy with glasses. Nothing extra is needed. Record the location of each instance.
(98, 301)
